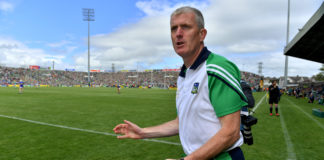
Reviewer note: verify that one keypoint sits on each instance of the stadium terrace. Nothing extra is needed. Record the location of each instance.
(160, 78)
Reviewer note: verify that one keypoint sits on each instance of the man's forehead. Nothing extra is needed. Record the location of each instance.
(183, 17)
(183, 14)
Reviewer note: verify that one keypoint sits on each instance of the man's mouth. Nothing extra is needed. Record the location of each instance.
(180, 43)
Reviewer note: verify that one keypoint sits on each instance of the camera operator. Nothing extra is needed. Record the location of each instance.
(247, 120)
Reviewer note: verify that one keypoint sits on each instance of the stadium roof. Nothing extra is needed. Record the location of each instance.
(309, 42)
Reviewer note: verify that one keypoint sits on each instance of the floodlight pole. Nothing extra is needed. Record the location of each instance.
(287, 40)
(152, 78)
(88, 14)
(164, 80)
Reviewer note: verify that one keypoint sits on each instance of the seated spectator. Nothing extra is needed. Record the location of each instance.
(311, 98)
(321, 100)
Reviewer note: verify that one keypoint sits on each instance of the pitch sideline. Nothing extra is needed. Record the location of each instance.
(307, 114)
(82, 130)
(98, 132)
(258, 104)
(290, 145)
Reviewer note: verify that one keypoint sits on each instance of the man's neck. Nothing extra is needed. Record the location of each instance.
(188, 61)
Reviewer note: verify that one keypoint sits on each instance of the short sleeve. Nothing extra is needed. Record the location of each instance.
(225, 92)
(224, 99)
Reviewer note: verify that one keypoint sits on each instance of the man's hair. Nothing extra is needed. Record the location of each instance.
(199, 17)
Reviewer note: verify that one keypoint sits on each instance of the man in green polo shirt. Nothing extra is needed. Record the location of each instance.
(209, 96)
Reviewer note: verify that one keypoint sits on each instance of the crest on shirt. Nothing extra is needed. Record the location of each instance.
(195, 88)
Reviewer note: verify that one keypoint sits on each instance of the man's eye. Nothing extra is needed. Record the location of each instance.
(185, 27)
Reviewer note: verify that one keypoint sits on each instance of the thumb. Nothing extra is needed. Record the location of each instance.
(123, 137)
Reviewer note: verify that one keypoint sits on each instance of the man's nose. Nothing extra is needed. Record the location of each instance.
(179, 32)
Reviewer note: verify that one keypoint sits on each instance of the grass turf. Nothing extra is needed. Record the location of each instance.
(305, 133)
(100, 109)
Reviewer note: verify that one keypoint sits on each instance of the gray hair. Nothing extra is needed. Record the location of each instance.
(199, 17)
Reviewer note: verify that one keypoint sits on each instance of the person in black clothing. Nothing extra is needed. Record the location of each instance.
(297, 92)
(311, 97)
(274, 94)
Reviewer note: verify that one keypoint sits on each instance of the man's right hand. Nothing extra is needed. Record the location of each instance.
(128, 130)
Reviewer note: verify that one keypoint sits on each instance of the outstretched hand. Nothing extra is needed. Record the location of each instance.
(128, 130)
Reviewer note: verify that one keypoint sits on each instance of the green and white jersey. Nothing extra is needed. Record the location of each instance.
(209, 89)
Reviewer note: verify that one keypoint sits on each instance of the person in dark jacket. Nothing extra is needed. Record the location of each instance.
(274, 94)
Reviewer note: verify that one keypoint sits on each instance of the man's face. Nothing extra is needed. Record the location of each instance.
(185, 34)
(274, 83)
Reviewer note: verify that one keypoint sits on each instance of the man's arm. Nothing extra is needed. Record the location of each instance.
(222, 140)
(131, 130)
(278, 92)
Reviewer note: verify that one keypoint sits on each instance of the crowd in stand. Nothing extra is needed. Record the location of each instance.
(132, 79)
(156, 78)
(56, 78)
(252, 79)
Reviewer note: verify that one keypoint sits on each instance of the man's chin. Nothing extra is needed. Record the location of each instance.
(180, 52)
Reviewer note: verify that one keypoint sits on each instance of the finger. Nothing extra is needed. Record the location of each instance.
(120, 127)
(123, 137)
(117, 131)
(123, 130)
(129, 123)
(117, 127)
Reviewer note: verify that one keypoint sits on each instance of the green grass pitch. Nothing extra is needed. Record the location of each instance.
(77, 123)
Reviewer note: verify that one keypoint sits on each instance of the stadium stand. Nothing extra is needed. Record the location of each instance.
(128, 78)
(252, 79)
(58, 78)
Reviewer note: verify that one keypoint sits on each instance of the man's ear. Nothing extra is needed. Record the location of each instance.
(202, 33)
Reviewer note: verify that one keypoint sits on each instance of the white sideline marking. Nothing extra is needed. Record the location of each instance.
(290, 145)
(266, 98)
(307, 114)
(258, 104)
(82, 130)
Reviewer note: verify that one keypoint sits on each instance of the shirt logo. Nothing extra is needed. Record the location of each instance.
(195, 88)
